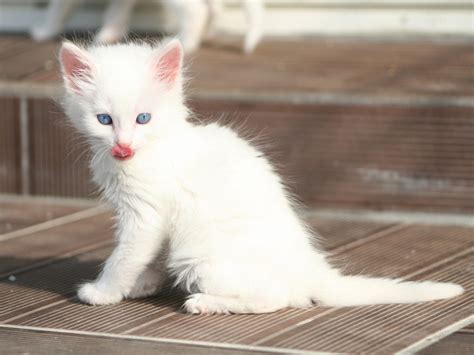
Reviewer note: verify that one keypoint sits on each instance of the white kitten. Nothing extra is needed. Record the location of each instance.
(234, 241)
(196, 20)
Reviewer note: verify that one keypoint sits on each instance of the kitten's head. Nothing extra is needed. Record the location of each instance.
(123, 97)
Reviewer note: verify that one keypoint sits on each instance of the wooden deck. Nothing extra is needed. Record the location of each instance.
(356, 124)
(49, 246)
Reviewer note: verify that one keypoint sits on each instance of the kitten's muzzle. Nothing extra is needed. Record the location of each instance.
(122, 152)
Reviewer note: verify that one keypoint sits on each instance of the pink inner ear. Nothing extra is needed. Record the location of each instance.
(169, 65)
(74, 67)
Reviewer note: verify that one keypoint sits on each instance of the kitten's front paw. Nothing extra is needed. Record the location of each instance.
(91, 294)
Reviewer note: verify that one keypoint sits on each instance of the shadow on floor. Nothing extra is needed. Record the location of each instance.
(58, 279)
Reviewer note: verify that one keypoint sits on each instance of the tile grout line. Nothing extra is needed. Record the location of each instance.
(159, 340)
(70, 218)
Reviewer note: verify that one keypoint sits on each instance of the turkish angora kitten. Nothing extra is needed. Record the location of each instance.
(196, 20)
(234, 241)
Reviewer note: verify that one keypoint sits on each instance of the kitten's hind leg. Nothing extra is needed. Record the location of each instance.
(148, 283)
(201, 303)
(151, 281)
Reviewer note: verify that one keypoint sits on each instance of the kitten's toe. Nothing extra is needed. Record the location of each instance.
(91, 294)
(200, 303)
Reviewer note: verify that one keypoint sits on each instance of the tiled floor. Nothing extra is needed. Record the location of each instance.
(41, 265)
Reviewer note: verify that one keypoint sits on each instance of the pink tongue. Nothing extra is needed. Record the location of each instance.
(122, 152)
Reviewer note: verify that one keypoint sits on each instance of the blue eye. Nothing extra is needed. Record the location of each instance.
(143, 118)
(104, 118)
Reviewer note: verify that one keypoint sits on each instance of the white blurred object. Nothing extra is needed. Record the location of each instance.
(401, 19)
(254, 13)
(116, 21)
(56, 16)
(196, 20)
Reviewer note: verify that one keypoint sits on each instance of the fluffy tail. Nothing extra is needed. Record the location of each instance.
(254, 12)
(359, 290)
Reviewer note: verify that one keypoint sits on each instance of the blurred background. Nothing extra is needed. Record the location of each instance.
(367, 104)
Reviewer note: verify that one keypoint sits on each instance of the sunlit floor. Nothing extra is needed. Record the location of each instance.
(49, 246)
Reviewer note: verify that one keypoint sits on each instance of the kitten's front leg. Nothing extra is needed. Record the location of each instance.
(140, 237)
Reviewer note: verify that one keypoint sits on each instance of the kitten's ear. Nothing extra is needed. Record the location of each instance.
(76, 66)
(168, 61)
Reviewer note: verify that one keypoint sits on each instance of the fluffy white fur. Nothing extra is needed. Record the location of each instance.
(196, 20)
(203, 201)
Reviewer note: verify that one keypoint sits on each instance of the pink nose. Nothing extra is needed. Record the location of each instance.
(122, 152)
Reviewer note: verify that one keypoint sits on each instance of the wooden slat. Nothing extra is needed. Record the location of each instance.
(21, 212)
(356, 67)
(405, 251)
(37, 248)
(37, 341)
(459, 344)
(11, 46)
(10, 165)
(53, 283)
(59, 157)
(32, 57)
(336, 232)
